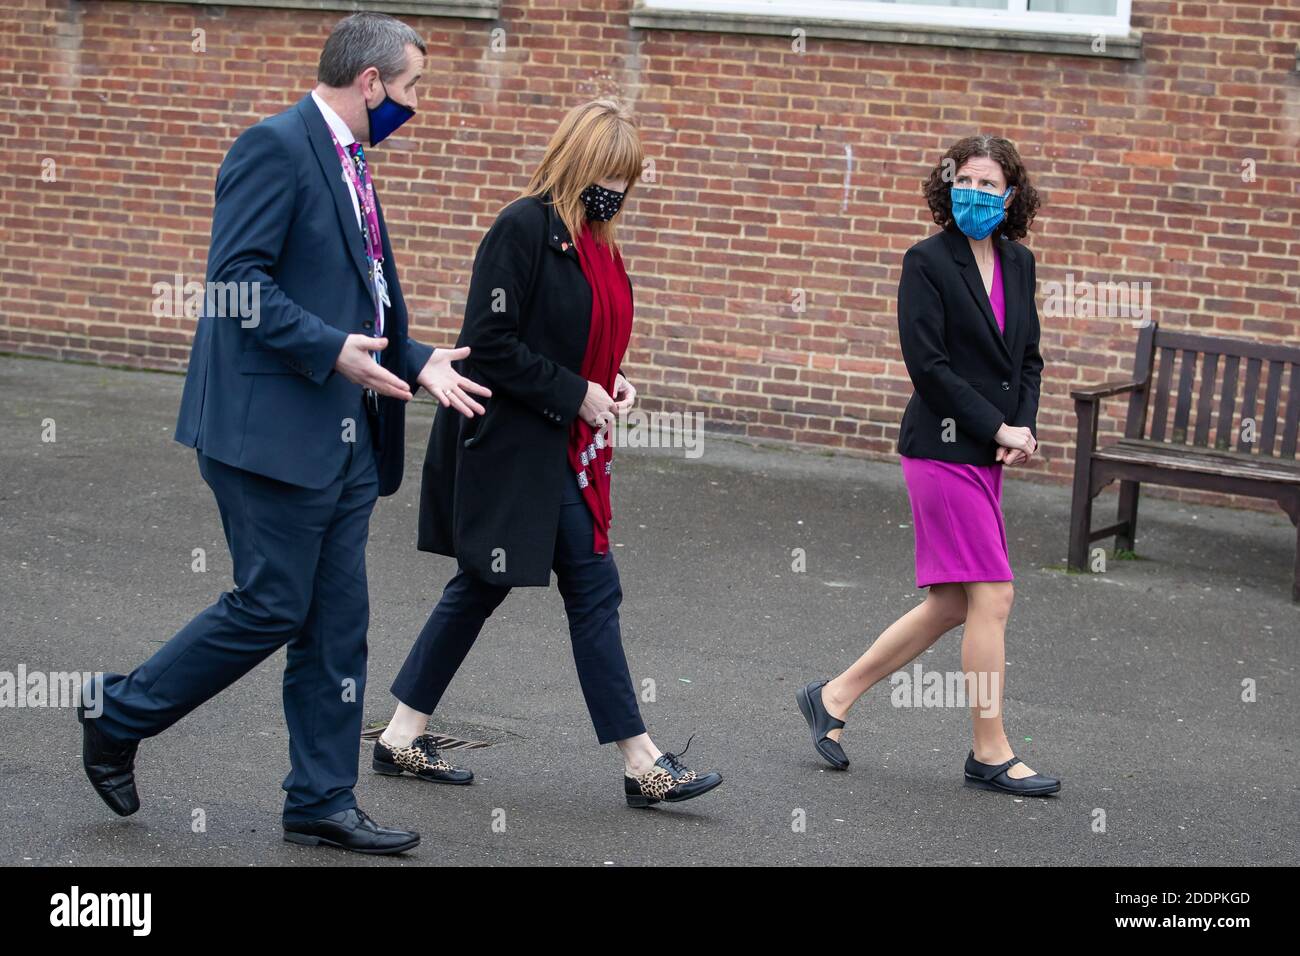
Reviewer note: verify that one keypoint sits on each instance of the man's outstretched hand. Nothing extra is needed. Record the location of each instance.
(448, 386)
(357, 364)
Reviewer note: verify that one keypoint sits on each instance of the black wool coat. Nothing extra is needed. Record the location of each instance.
(491, 485)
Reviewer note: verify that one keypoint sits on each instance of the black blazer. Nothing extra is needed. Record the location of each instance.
(969, 378)
(491, 487)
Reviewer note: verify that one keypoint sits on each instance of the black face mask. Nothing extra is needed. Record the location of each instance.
(601, 204)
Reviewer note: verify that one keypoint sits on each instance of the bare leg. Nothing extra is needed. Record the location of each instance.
(988, 605)
(406, 725)
(639, 754)
(943, 609)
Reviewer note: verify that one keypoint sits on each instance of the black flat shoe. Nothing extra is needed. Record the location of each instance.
(351, 830)
(109, 765)
(421, 758)
(820, 722)
(987, 776)
(668, 780)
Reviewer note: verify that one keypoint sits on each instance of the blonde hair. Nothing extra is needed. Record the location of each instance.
(595, 141)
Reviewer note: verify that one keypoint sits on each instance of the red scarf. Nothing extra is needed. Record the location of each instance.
(590, 455)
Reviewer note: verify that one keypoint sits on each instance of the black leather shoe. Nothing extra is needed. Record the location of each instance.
(987, 776)
(421, 758)
(820, 722)
(351, 830)
(668, 780)
(109, 765)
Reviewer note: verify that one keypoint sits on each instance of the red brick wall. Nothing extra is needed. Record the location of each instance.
(1139, 164)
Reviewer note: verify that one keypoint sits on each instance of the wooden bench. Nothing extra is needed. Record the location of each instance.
(1218, 437)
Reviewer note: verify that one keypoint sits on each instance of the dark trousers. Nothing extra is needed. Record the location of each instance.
(299, 559)
(590, 587)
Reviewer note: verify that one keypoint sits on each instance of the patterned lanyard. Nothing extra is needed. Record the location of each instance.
(365, 190)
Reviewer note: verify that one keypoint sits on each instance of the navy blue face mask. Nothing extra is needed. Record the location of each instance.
(386, 117)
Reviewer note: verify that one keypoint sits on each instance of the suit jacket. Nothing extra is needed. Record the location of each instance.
(491, 486)
(261, 392)
(969, 378)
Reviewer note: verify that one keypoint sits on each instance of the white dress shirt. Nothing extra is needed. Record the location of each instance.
(346, 139)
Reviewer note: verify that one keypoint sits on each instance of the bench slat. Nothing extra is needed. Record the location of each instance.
(1135, 423)
(1228, 403)
(1267, 351)
(1267, 431)
(1183, 410)
(1292, 414)
(1162, 395)
(1248, 398)
(1209, 373)
(1205, 461)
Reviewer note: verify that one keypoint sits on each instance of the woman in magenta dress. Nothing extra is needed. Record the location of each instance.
(969, 334)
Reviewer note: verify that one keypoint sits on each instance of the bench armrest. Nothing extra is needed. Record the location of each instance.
(1091, 393)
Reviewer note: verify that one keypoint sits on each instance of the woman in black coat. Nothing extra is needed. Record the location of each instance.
(969, 333)
(524, 489)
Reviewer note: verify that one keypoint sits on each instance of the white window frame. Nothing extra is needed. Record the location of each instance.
(467, 9)
(1017, 18)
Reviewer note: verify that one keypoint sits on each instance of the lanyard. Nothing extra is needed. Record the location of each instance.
(365, 191)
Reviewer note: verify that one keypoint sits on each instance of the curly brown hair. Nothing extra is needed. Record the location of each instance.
(1024, 201)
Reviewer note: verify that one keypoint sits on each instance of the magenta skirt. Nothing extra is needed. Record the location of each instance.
(957, 517)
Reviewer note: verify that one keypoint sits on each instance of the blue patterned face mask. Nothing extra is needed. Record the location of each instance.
(976, 212)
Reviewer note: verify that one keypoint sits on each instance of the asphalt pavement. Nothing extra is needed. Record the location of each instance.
(1162, 691)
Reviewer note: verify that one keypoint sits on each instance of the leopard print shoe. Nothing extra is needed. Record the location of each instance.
(420, 758)
(668, 780)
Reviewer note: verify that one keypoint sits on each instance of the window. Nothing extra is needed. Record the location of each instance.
(474, 9)
(1055, 16)
(1101, 23)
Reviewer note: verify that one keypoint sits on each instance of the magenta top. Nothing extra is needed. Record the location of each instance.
(996, 298)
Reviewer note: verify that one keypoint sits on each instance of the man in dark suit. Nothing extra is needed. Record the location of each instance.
(296, 409)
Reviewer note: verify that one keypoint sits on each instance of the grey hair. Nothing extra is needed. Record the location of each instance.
(364, 40)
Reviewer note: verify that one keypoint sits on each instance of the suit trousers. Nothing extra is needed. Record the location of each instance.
(592, 594)
(299, 558)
